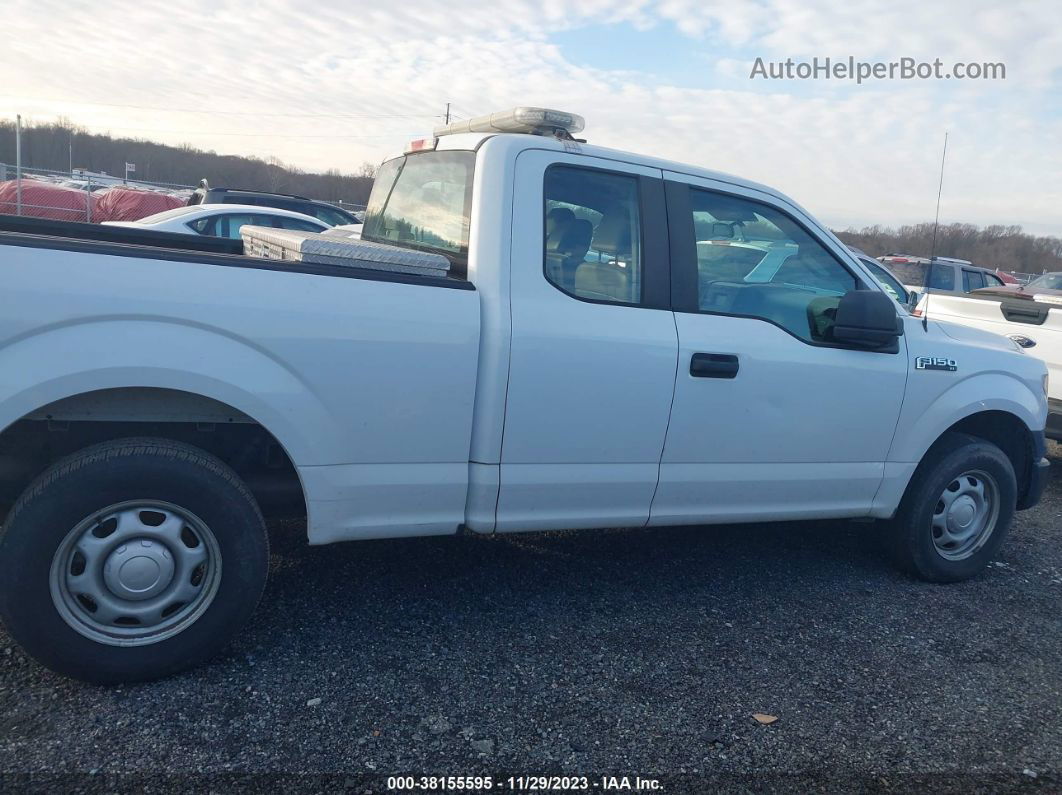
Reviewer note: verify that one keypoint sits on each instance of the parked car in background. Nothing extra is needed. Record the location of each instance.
(1046, 288)
(353, 230)
(223, 220)
(946, 274)
(893, 286)
(1033, 322)
(1048, 284)
(322, 211)
(903, 259)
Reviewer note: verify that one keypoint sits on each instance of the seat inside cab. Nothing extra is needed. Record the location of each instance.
(593, 249)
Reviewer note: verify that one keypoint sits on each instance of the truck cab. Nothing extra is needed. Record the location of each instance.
(670, 341)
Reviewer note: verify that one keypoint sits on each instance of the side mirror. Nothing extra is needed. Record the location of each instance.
(913, 297)
(867, 319)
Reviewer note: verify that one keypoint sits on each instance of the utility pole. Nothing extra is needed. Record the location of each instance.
(18, 164)
(71, 153)
(447, 112)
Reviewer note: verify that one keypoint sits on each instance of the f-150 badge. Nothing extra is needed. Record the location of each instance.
(934, 363)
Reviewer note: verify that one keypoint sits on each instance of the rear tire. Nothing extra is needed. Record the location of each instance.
(957, 510)
(131, 560)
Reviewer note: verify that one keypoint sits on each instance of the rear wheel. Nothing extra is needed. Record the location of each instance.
(957, 510)
(131, 560)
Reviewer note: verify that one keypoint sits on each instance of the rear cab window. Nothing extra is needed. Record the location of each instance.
(423, 201)
(941, 277)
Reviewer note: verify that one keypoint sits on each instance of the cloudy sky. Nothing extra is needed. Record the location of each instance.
(334, 84)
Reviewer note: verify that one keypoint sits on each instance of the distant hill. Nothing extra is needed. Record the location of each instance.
(47, 146)
(1005, 248)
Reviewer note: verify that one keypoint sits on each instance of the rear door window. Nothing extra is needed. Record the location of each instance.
(593, 236)
(972, 280)
(230, 224)
(204, 226)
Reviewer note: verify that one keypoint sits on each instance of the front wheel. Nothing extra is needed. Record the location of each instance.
(131, 560)
(957, 510)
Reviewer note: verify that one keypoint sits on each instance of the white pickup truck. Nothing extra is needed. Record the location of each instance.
(1032, 321)
(620, 341)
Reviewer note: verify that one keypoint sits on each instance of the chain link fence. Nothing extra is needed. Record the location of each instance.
(70, 194)
(67, 195)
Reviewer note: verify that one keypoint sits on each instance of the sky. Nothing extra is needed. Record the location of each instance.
(335, 84)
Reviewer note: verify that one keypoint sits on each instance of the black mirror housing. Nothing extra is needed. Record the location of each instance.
(867, 319)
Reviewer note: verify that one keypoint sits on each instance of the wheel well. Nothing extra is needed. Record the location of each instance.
(1010, 435)
(35, 442)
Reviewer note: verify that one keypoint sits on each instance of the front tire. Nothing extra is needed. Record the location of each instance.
(957, 510)
(131, 560)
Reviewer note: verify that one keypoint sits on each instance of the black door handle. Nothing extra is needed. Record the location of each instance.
(713, 365)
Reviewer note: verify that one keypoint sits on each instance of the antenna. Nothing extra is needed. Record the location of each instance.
(933, 245)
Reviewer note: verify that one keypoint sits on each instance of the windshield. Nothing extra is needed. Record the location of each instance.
(423, 201)
(1049, 281)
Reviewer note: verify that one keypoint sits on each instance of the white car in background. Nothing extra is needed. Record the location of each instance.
(223, 220)
(353, 231)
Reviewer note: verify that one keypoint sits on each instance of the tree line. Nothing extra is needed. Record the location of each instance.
(47, 146)
(1000, 247)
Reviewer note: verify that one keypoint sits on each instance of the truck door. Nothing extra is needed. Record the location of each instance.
(594, 345)
(771, 419)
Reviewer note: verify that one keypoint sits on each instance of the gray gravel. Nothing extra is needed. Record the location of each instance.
(614, 652)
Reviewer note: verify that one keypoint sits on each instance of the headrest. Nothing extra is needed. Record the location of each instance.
(556, 218)
(613, 235)
(575, 238)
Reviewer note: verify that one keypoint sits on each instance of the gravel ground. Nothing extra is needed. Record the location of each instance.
(612, 652)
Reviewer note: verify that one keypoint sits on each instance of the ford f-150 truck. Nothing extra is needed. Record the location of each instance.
(618, 341)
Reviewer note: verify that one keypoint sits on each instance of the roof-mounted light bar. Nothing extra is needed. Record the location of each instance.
(538, 121)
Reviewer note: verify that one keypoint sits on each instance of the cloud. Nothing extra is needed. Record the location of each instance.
(851, 154)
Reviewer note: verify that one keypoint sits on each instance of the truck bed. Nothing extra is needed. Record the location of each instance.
(336, 362)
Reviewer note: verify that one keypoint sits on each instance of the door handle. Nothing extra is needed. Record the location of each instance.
(714, 365)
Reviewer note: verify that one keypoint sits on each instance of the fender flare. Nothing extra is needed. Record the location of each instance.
(67, 360)
(964, 399)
